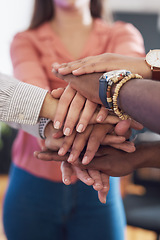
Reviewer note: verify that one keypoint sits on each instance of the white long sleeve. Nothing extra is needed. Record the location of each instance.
(31, 129)
(20, 102)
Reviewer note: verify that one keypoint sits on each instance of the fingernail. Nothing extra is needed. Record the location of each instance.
(74, 71)
(70, 159)
(67, 131)
(80, 128)
(97, 184)
(37, 156)
(66, 181)
(57, 125)
(61, 151)
(61, 69)
(55, 65)
(85, 160)
(89, 179)
(100, 118)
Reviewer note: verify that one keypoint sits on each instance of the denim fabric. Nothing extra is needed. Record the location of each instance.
(38, 209)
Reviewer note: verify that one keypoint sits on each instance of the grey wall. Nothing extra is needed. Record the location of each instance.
(147, 25)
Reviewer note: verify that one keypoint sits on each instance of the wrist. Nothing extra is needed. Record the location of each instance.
(145, 70)
(146, 155)
(48, 129)
(49, 107)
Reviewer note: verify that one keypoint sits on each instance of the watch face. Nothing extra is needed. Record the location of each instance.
(115, 73)
(153, 58)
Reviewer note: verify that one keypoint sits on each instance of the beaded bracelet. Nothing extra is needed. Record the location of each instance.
(112, 81)
(105, 83)
(122, 115)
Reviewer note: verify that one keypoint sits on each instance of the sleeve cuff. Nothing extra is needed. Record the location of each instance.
(25, 104)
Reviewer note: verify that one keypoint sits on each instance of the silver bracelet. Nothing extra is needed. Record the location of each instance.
(43, 122)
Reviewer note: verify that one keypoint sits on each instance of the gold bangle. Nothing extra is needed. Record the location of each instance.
(121, 114)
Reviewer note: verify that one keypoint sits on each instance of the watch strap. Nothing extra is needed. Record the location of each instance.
(156, 73)
(102, 91)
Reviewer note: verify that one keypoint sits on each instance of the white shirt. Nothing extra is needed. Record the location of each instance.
(20, 104)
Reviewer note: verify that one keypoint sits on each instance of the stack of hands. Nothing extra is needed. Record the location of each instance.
(91, 141)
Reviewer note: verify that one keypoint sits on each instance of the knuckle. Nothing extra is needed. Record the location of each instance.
(66, 145)
(85, 119)
(70, 122)
(92, 65)
(76, 149)
(94, 139)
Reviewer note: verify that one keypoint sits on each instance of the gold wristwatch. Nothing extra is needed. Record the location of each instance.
(153, 60)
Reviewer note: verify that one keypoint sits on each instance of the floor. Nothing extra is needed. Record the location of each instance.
(132, 233)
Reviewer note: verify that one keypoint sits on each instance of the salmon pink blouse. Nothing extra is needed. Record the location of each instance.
(33, 53)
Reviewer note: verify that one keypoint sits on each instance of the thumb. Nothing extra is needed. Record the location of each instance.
(56, 93)
(122, 127)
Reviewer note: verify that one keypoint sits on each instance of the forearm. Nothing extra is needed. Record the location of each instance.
(49, 107)
(47, 111)
(20, 102)
(140, 99)
(146, 155)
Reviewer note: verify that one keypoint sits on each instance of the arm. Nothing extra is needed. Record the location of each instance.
(119, 163)
(24, 103)
(104, 63)
(28, 123)
(125, 40)
(18, 101)
(139, 98)
(26, 61)
(112, 162)
(27, 102)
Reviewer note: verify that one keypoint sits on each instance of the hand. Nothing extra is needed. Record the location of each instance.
(73, 108)
(54, 138)
(86, 85)
(98, 180)
(94, 135)
(108, 160)
(104, 63)
(112, 162)
(117, 163)
(69, 107)
(70, 97)
(49, 107)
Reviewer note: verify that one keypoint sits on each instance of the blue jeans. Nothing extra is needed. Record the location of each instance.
(38, 209)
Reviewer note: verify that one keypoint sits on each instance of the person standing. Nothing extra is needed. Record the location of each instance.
(41, 206)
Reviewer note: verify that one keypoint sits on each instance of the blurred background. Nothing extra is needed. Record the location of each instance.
(145, 15)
